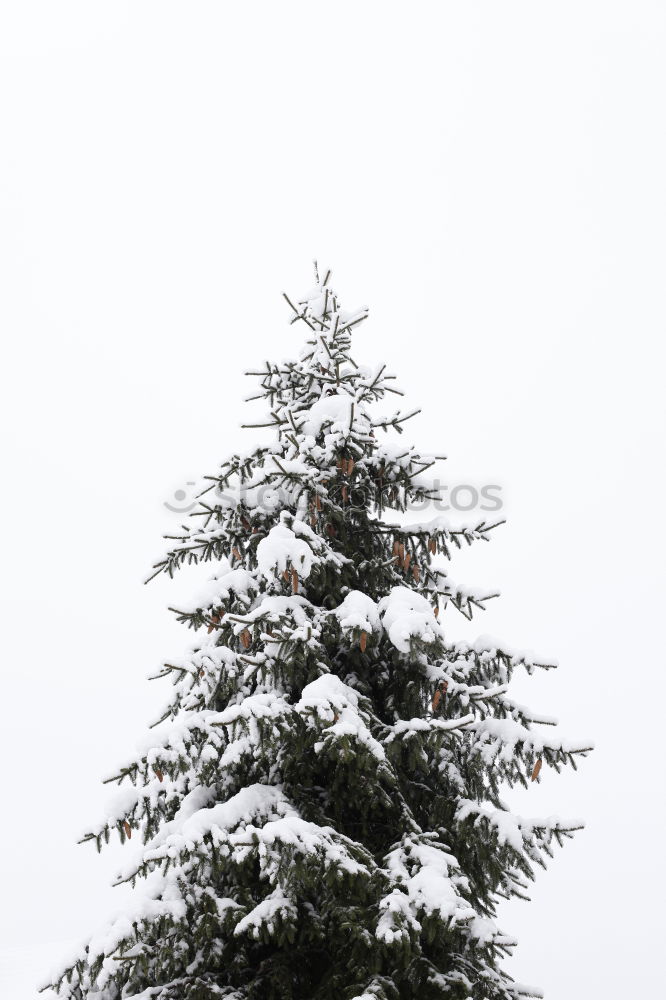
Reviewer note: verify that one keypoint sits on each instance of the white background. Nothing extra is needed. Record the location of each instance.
(489, 178)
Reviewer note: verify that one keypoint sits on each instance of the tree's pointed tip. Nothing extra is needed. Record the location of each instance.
(322, 283)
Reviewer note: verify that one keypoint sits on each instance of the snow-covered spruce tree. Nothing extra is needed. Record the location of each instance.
(321, 807)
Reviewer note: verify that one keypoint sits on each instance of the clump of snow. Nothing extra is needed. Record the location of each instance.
(335, 410)
(500, 738)
(249, 803)
(264, 914)
(218, 589)
(394, 453)
(264, 705)
(292, 544)
(258, 818)
(275, 608)
(489, 645)
(407, 615)
(358, 611)
(328, 690)
(427, 882)
(321, 842)
(332, 701)
(514, 830)
(280, 550)
(163, 899)
(408, 727)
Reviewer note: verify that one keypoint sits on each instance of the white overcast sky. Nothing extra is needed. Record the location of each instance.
(489, 179)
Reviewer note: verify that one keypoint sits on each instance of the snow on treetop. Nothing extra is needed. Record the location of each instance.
(336, 409)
